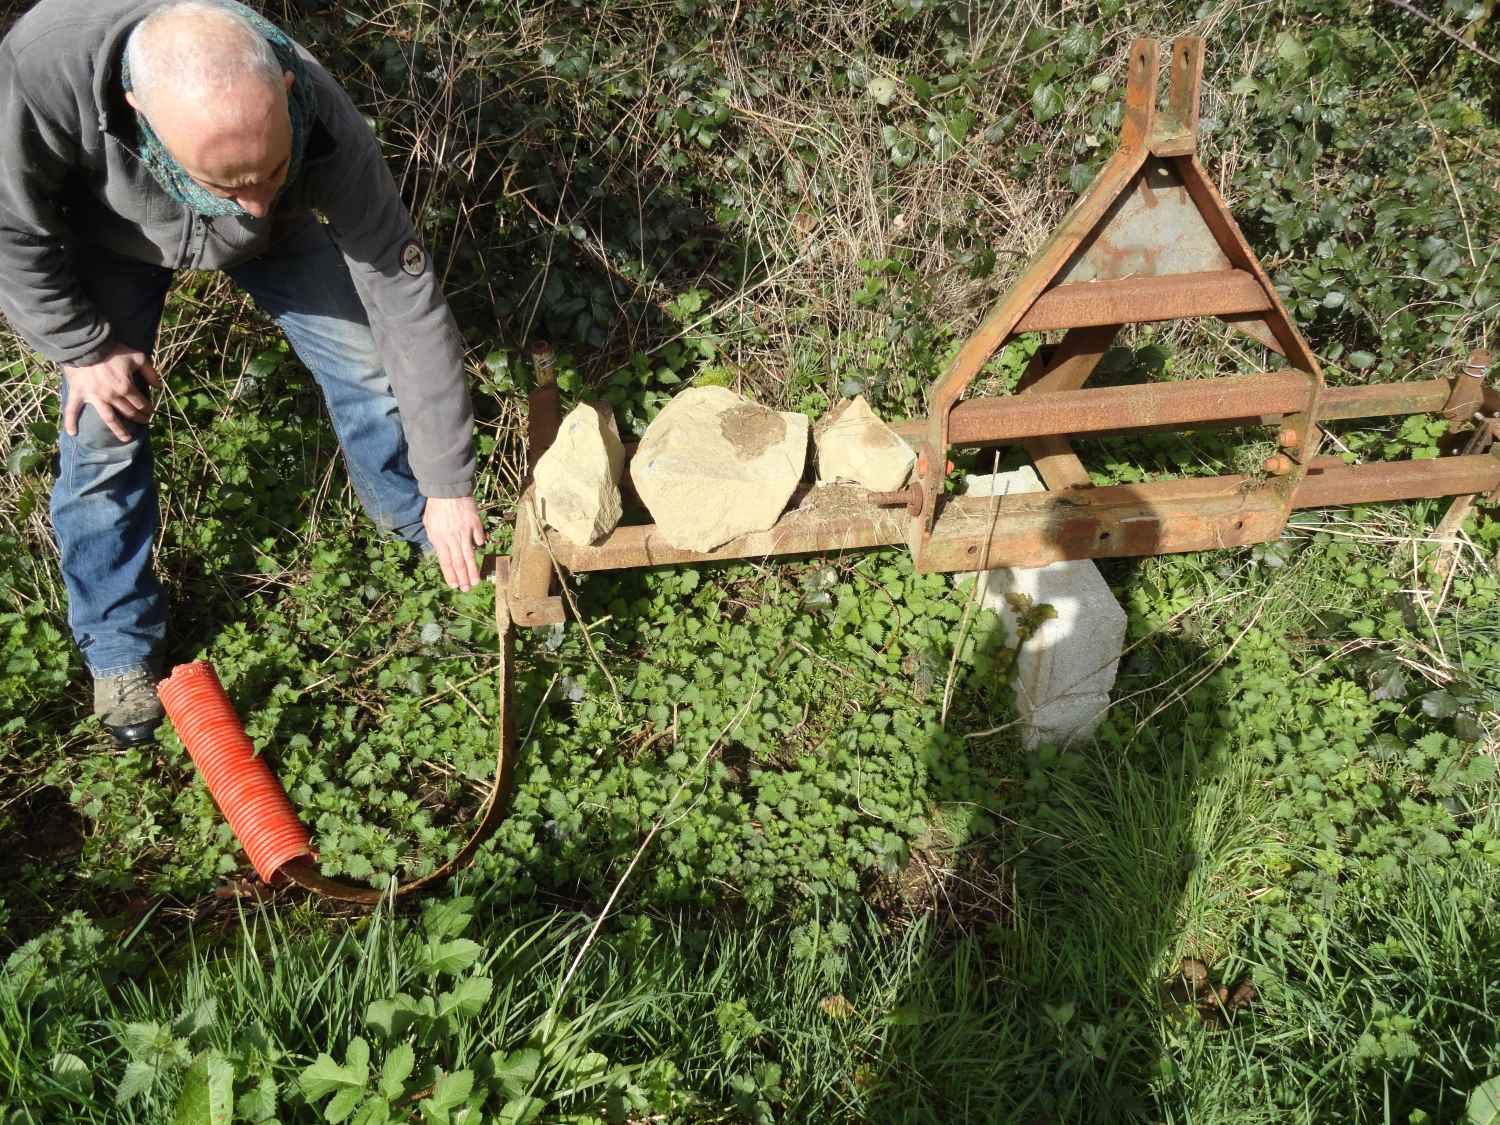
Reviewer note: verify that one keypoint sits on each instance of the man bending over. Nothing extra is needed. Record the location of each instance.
(140, 137)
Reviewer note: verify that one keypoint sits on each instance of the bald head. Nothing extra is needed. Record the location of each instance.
(216, 95)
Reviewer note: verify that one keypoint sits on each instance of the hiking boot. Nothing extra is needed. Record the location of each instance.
(128, 707)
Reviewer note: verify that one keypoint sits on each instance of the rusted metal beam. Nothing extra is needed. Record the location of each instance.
(1139, 300)
(1328, 485)
(828, 519)
(543, 406)
(1278, 322)
(1337, 404)
(1067, 369)
(1071, 363)
(1170, 517)
(1383, 399)
(1163, 517)
(530, 596)
(1031, 529)
(1056, 463)
(1091, 410)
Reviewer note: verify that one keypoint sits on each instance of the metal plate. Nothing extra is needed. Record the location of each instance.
(1152, 230)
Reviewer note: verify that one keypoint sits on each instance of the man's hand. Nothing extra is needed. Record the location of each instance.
(109, 386)
(455, 529)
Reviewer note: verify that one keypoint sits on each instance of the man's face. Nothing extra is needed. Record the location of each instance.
(240, 150)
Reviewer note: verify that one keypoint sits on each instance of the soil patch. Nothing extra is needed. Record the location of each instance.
(752, 429)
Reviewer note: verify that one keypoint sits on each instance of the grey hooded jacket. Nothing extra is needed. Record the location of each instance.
(70, 179)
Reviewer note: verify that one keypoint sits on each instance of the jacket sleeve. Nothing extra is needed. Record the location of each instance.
(414, 329)
(39, 292)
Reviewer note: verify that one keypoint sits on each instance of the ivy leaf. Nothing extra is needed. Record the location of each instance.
(1290, 50)
(1443, 263)
(264, 364)
(1387, 679)
(1046, 102)
(1439, 705)
(1466, 727)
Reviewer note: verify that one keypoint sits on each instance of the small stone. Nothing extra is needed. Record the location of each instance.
(578, 478)
(855, 445)
(714, 466)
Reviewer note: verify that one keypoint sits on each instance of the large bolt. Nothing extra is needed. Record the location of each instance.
(909, 497)
(544, 363)
(1479, 363)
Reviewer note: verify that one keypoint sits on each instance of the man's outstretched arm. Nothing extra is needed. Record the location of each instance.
(418, 339)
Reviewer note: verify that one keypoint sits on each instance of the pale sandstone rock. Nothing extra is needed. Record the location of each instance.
(578, 478)
(854, 445)
(714, 466)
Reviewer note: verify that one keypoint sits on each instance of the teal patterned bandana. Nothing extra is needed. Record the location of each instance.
(302, 105)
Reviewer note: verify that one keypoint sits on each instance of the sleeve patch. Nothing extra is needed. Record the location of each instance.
(413, 258)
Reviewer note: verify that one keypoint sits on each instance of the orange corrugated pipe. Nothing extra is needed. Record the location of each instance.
(240, 781)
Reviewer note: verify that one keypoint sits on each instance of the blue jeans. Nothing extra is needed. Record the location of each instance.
(104, 509)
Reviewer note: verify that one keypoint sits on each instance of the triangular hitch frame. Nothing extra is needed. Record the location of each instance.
(1150, 240)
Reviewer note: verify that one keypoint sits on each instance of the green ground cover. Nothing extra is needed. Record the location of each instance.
(839, 888)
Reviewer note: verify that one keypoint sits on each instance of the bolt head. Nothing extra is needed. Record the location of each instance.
(1278, 465)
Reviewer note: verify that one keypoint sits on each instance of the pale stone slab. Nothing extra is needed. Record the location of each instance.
(578, 478)
(1064, 671)
(714, 466)
(855, 446)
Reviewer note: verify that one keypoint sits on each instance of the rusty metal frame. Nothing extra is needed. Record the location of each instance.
(1150, 240)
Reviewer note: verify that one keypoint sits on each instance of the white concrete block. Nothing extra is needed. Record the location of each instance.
(1064, 671)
